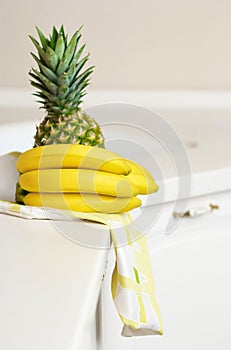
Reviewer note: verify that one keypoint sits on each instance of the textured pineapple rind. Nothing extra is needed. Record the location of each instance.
(78, 128)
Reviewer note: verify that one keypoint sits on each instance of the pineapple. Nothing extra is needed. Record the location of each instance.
(61, 84)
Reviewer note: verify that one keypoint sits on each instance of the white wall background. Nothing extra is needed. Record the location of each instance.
(133, 44)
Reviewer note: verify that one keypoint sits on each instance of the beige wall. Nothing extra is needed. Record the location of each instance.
(133, 44)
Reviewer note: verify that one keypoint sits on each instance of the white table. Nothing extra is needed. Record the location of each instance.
(49, 285)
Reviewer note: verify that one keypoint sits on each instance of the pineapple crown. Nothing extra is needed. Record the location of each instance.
(60, 80)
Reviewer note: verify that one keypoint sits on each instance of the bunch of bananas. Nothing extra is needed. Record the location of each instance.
(82, 178)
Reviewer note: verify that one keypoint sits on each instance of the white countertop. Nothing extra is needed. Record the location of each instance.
(49, 285)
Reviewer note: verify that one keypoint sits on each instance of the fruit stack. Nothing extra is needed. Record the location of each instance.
(69, 168)
(82, 178)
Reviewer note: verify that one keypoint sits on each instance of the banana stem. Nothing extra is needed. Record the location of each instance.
(20, 194)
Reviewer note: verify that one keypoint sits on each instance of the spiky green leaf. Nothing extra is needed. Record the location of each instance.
(77, 84)
(36, 79)
(41, 52)
(62, 32)
(53, 38)
(60, 46)
(81, 77)
(82, 86)
(71, 96)
(37, 85)
(77, 55)
(52, 58)
(63, 79)
(46, 71)
(78, 68)
(42, 38)
(80, 96)
(46, 96)
(63, 91)
(69, 53)
(53, 88)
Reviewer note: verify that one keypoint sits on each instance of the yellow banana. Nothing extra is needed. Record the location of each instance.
(72, 156)
(77, 180)
(82, 202)
(141, 178)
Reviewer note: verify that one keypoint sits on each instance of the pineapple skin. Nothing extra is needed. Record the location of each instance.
(78, 128)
